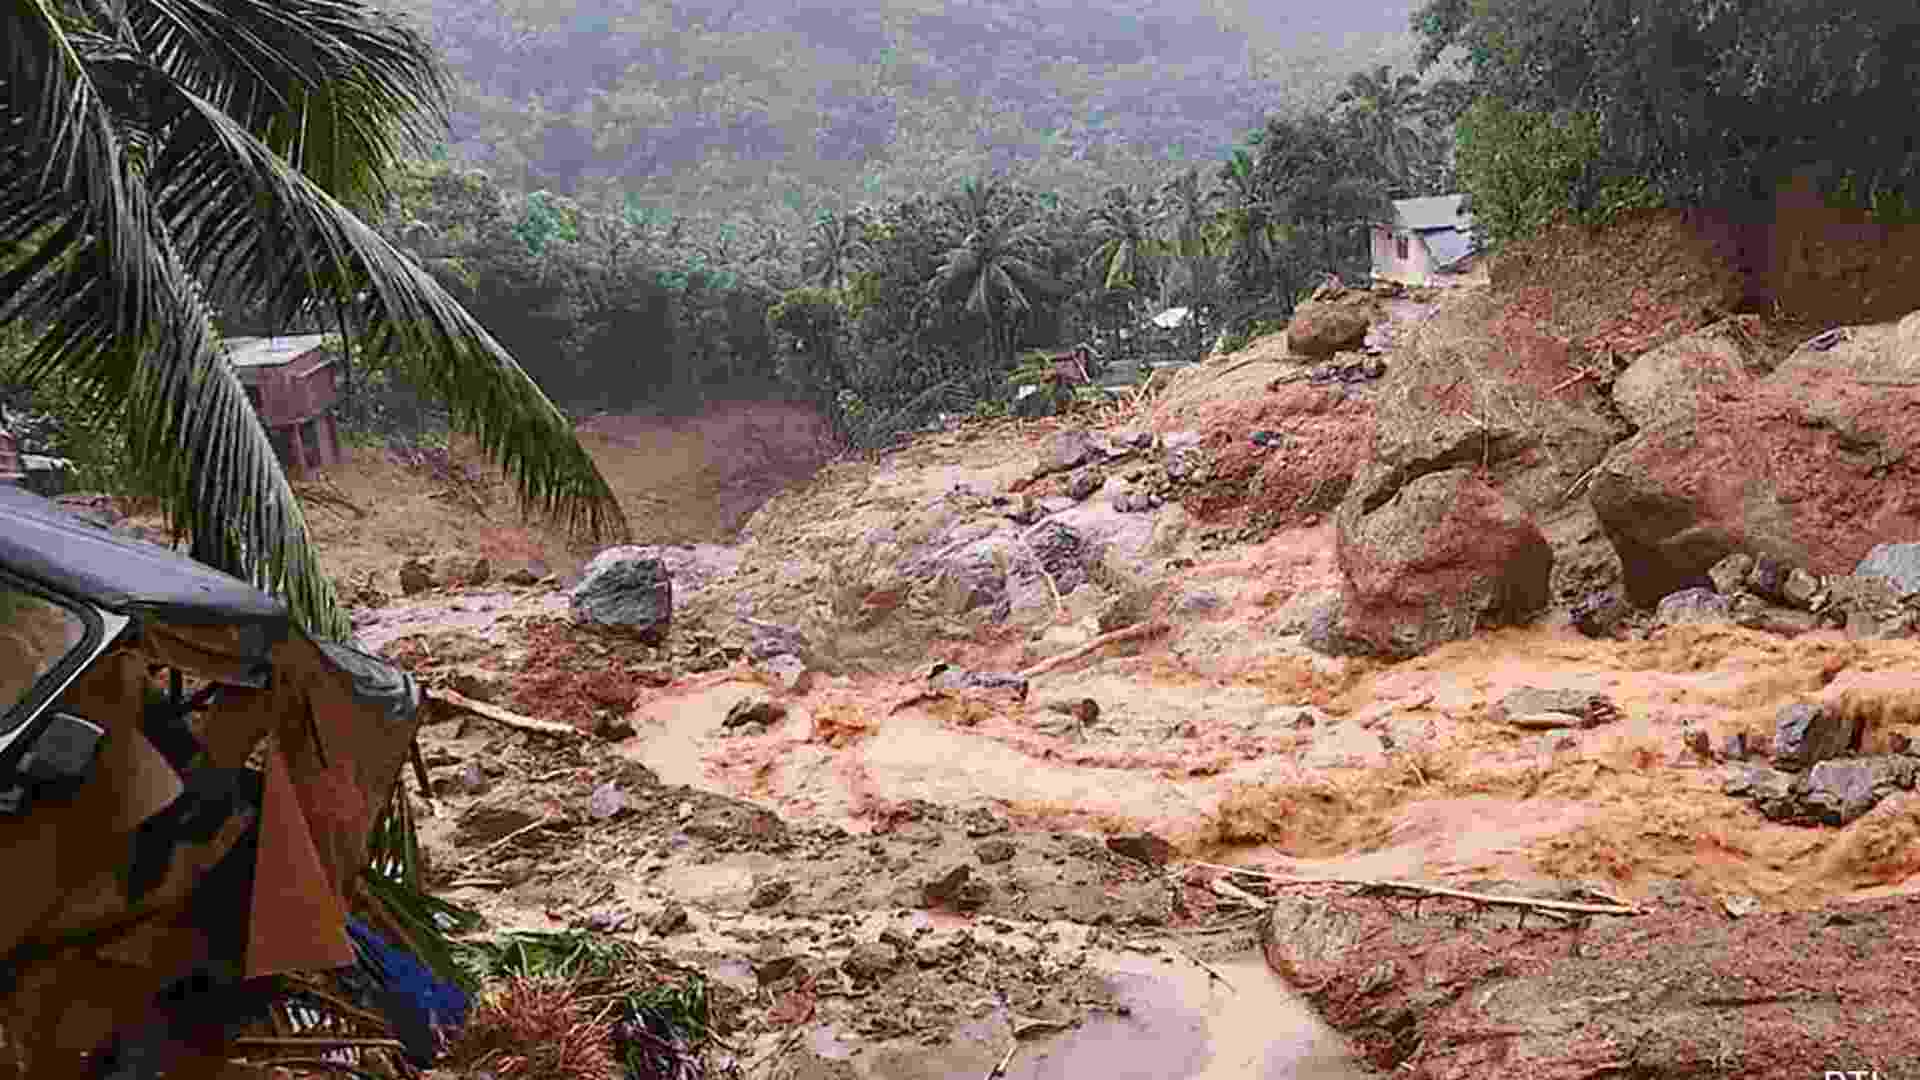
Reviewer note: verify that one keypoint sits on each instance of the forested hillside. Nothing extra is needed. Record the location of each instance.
(775, 109)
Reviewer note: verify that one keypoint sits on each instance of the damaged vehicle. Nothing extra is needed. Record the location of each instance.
(188, 786)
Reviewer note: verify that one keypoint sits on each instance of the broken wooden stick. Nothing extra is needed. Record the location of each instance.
(1570, 380)
(459, 702)
(1414, 889)
(1130, 633)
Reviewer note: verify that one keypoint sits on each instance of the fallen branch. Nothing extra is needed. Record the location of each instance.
(1413, 889)
(1138, 630)
(318, 1042)
(459, 702)
(514, 835)
(1570, 380)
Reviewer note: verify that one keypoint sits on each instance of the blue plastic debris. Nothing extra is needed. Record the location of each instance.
(414, 998)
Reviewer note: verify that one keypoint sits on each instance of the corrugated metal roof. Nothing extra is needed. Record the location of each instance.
(271, 351)
(1448, 246)
(1434, 212)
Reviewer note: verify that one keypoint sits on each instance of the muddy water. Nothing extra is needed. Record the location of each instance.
(1181, 1024)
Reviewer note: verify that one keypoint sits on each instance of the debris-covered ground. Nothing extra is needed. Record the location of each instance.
(950, 753)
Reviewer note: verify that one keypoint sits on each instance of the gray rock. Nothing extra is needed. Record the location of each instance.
(769, 640)
(626, 591)
(1806, 734)
(1600, 614)
(1768, 578)
(1837, 793)
(1132, 438)
(1534, 700)
(754, 712)
(1899, 564)
(788, 670)
(1729, 575)
(1754, 613)
(953, 679)
(1083, 484)
(1069, 449)
(607, 801)
(871, 961)
(1801, 588)
(1760, 784)
(1693, 606)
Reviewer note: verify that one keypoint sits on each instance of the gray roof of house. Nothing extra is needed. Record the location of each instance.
(271, 351)
(1448, 246)
(1433, 212)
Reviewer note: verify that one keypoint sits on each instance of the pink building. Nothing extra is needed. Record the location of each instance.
(1430, 242)
(293, 383)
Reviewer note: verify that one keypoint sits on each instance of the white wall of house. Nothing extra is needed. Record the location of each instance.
(1400, 255)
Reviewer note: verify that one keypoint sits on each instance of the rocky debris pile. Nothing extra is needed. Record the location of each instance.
(1442, 558)
(1879, 599)
(1817, 776)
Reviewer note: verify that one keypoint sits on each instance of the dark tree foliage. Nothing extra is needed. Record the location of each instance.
(1709, 100)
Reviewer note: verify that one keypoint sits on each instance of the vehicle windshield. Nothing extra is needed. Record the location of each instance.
(36, 634)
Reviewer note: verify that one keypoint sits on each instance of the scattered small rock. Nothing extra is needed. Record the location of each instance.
(1600, 614)
(756, 712)
(768, 893)
(1142, 847)
(416, 576)
(607, 801)
(789, 671)
(945, 677)
(670, 920)
(1069, 450)
(1806, 734)
(991, 852)
(526, 575)
(1693, 606)
(871, 961)
(1084, 483)
(957, 889)
(614, 727)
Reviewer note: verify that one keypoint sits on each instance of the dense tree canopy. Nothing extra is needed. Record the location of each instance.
(1707, 100)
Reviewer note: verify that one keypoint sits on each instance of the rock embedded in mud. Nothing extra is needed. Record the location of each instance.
(871, 961)
(485, 823)
(960, 680)
(1083, 484)
(1068, 450)
(718, 818)
(623, 590)
(1321, 328)
(1600, 614)
(1693, 606)
(416, 576)
(1838, 793)
(768, 893)
(993, 852)
(1142, 847)
(754, 712)
(1587, 708)
(789, 671)
(670, 920)
(1806, 734)
(957, 889)
(525, 576)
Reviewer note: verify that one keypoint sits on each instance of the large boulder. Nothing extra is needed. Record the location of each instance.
(1880, 351)
(1809, 468)
(628, 589)
(1477, 387)
(1668, 380)
(1446, 556)
(1338, 323)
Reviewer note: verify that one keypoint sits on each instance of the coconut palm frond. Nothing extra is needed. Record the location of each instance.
(144, 172)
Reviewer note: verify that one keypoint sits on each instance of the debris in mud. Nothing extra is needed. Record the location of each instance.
(606, 802)
(770, 893)
(416, 576)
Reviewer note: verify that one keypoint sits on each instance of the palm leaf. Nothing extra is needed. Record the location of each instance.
(144, 169)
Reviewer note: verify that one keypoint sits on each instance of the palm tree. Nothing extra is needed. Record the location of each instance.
(995, 260)
(837, 245)
(1121, 226)
(1386, 112)
(1245, 226)
(166, 161)
(1186, 208)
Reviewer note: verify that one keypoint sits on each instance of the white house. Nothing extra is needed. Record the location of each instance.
(1430, 241)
